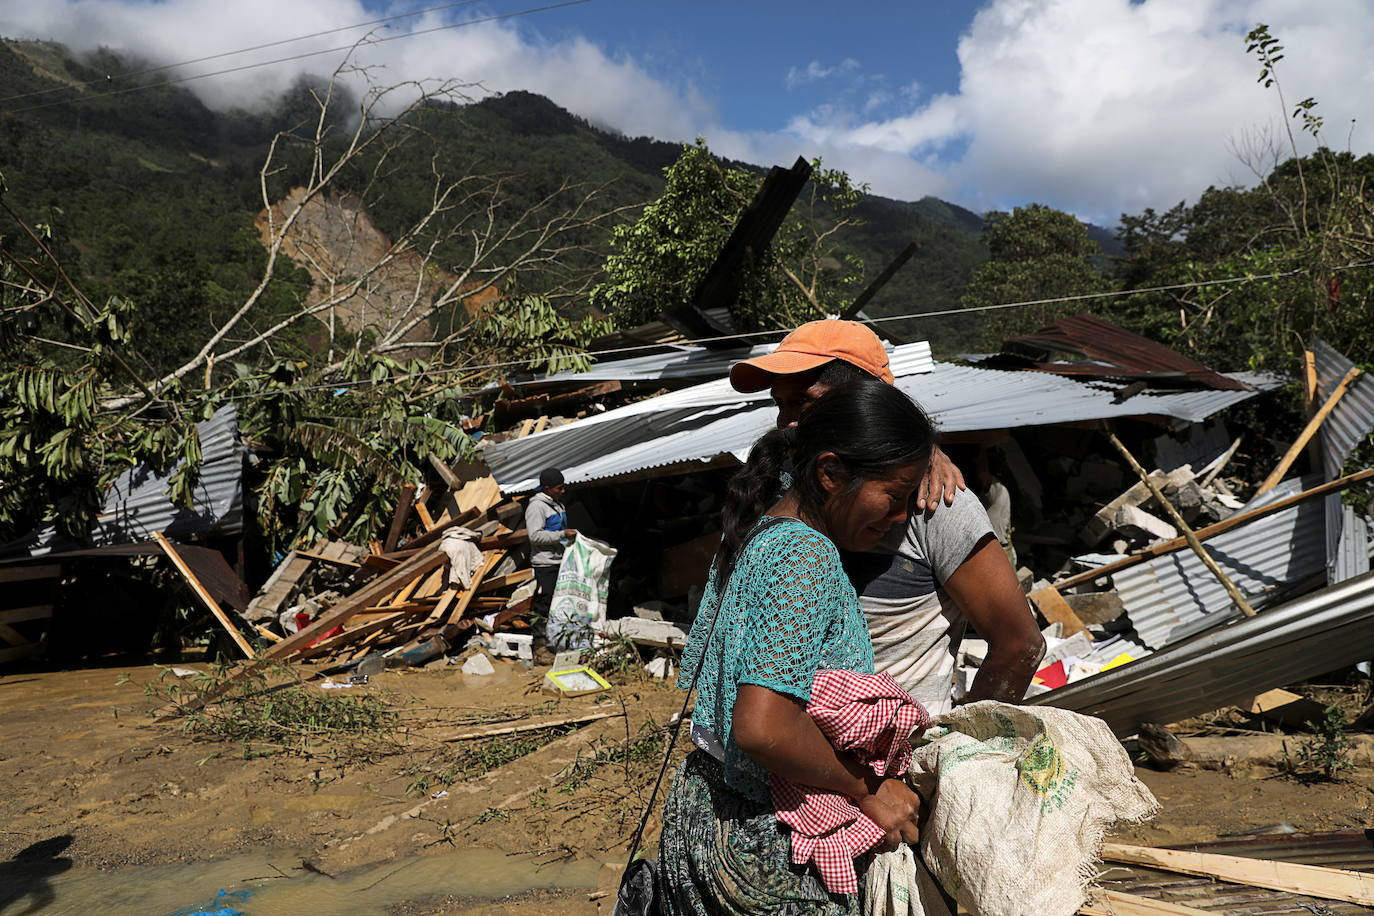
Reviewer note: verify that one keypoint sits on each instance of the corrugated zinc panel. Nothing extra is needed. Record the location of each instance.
(1312, 635)
(1174, 596)
(137, 503)
(671, 430)
(1353, 417)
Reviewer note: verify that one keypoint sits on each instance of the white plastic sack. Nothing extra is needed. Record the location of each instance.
(578, 608)
(1022, 797)
(897, 884)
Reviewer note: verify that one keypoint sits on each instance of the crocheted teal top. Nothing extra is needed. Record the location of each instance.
(789, 611)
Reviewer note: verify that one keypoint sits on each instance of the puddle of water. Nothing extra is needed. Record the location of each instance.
(268, 884)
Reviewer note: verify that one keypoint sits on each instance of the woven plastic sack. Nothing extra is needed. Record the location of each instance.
(898, 884)
(1022, 799)
(577, 611)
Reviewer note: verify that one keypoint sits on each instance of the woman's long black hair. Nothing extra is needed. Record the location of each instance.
(872, 428)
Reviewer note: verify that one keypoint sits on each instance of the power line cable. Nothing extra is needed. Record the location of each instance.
(294, 57)
(476, 367)
(222, 54)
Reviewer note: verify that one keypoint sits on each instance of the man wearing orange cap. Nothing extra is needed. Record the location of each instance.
(928, 580)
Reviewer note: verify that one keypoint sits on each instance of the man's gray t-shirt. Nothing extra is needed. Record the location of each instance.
(915, 629)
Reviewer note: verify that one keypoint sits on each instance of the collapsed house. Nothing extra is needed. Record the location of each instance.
(1096, 541)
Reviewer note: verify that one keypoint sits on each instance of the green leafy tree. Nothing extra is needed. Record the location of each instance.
(1034, 252)
(658, 261)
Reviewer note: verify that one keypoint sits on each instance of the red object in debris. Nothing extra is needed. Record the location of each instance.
(323, 636)
(302, 619)
(1053, 676)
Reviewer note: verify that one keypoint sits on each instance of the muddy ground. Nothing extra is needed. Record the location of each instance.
(87, 770)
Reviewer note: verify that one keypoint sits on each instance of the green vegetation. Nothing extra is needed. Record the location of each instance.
(1324, 754)
(272, 711)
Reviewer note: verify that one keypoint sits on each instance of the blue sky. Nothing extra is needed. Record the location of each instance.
(1098, 107)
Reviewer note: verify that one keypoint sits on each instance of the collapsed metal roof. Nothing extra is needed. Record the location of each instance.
(1174, 596)
(1314, 634)
(1114, 352)
(699, 362)
(713, 424)
(137, 504)
(1349, 423)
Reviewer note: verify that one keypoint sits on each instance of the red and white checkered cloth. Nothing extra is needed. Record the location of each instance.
(871, 717)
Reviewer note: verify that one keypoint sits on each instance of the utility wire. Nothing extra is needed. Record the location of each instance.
(293, 57)
(222, 54)
(451, 370)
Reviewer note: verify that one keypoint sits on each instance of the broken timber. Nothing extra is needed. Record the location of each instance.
(1311, 880)
(1235, 521)
(206, 598)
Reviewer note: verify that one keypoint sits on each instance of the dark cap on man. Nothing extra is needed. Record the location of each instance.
(550, 477)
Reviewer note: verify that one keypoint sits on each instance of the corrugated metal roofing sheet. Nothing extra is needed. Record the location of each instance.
(1125, 354)
(1175, 596)
(1345, 427)
(1352, 418)
(699, 362)
(701, 423)
(137, 504)
(1312, 635)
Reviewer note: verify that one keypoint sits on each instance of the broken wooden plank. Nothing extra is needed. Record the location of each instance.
(27, 573)
(1309, 430)
(515, 578)
(398, 518)
(277, 587)
(367, 595)
(32, 612)
(425, 518)
(1286, 708)
(460, 607)
(337, 561)
(1221, 527)
(1117, 903)
(530, 726)
(206, 598)
(1188, 534)
(1309, 880)
(1055, 609)
(18, 652)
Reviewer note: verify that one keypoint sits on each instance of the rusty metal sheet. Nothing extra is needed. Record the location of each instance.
(1114, 352)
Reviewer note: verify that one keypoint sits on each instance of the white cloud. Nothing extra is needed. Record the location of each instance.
(815, 71)
(1105, 106)
(1094, 106)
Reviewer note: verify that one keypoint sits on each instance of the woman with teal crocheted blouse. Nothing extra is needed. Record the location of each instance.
(777, 609)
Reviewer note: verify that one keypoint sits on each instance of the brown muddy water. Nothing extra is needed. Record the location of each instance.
(275, 884)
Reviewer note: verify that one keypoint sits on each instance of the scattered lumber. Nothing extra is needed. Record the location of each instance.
(1310, 880)
(1235, 521)
(361, 602)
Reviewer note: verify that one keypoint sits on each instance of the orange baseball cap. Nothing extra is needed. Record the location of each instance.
(812, 345)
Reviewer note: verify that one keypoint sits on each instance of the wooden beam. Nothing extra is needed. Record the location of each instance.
(425, 518)
(365, 596)
(1055, 609)
(530, 726)
(206, 598)
(33, 612)
(25, 573)
(17, 652)
(1188, 534)
(12, 636)
(460, 607)
(1116, 903)
(1309, 430)
(433, 534)
(1221, 527)
(515, 578)
(1309, 378)
(398, 519)
(450, 479)
(319, 556)
(1309, 880)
